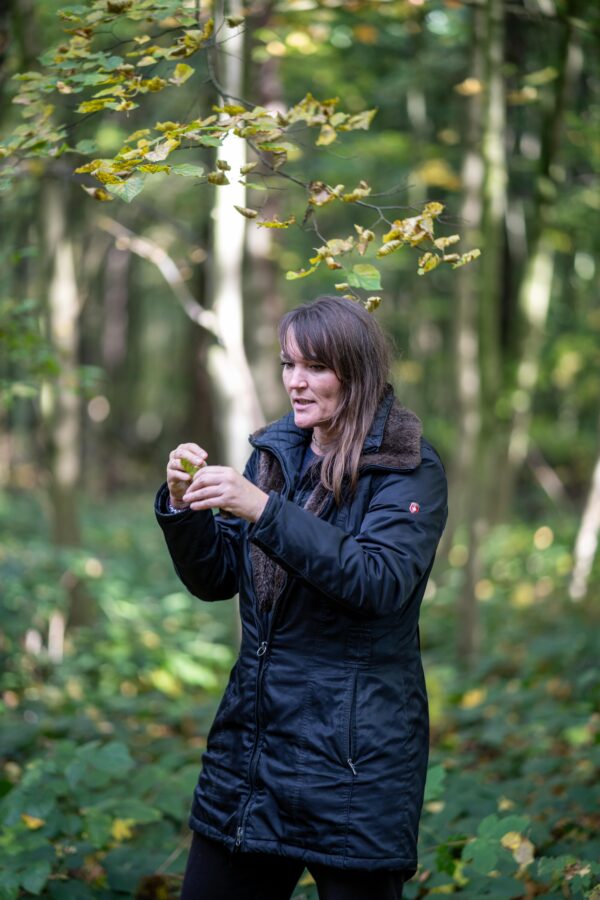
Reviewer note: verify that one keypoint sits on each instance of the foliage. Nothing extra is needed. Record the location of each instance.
(100, 752)
(155, 36)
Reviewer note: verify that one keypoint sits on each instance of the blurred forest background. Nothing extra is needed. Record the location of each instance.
(126, 328)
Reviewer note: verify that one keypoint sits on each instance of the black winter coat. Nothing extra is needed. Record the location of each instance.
(319, 747)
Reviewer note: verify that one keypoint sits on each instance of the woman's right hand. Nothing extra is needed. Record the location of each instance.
(178, 479)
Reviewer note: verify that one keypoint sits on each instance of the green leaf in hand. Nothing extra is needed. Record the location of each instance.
(189, 467)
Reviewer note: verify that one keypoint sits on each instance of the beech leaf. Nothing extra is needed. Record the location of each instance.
(246, 212)
(181, 73)
(365, 276)
(187, 170)
(127, 190)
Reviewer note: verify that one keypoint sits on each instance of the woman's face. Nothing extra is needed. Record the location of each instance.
(313, 389)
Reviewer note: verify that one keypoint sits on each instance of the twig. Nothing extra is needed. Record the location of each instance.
(168, 268)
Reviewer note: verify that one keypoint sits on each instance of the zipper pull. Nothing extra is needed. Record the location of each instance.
(238, 837)
(352, 766)
(262, 648)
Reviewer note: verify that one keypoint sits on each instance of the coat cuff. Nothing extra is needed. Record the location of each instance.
(266, 518)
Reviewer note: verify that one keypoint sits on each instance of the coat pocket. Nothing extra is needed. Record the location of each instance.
(350, 719)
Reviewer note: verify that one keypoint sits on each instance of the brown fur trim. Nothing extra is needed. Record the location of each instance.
(401, 443)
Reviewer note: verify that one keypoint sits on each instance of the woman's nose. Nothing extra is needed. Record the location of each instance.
(298, 379)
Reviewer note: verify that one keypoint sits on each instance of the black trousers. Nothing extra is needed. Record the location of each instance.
(215, 873)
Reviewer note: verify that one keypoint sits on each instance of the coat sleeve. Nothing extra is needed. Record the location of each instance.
(374, 572)
(205, 548)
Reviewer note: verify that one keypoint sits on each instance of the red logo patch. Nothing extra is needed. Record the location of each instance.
(414, 508)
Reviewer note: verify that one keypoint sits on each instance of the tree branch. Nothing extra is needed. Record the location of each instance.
(148, 249)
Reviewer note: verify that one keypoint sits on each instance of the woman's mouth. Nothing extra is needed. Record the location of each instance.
(300, 402)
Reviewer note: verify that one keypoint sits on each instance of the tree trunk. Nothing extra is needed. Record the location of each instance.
(586, 542)
(60, 400)
(236, 400)
(536, 285)
(264, 313)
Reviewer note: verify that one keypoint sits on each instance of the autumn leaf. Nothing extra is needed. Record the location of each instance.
(246, 212)
(389, 247)
(442, 242)
(359, 193)
(181, 73)
(32, 822)
(292, 276)
(128, 190)
(428, 262)
(217, 178)
(98, 193)
(275, 223)
(121, 829)
(467, 257)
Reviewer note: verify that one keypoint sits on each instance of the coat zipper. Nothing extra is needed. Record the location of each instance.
(261, 653)
(352, 725)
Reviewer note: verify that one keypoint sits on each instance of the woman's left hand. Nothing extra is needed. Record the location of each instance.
(223, 487)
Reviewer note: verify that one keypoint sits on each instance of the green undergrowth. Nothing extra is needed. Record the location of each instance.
(99, 751)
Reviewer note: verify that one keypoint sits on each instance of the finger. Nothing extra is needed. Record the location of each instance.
(193, 452)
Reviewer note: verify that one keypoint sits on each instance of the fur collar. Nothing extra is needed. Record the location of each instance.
(394, 442)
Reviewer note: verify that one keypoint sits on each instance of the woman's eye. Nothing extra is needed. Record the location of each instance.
(285, 364)
(317, 367)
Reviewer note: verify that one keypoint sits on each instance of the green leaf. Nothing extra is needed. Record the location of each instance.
(481, 855)
(366, 276)
(129, 189)
(434, 787)
(187, 170)
(494, 828)
(36, 876)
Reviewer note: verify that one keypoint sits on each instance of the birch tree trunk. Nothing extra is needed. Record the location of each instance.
(478, 335)
(236, 401)
(536, 285)
(586, 542)
(60, 400)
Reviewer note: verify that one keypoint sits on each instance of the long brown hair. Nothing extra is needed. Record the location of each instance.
(343, 336)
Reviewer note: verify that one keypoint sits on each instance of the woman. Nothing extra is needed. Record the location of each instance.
(318, 752)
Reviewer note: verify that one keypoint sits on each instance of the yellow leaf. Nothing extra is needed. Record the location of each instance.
(433, 209)
(246, 212)
(427, 262)
(98, 194)
(234, 21)
(472, 698)
(511, 840)
(327, 136)
(275, 223)
(32, 822)
(121, 829)
(467, 258)
(247, 168)
(162, 150)
(371, 303)
(389, 247)
(363, 190)
(341, 286)
(181, 73)
(292, 276)
(217, 178)
(164, 682)
(442, 242)
(223, 165)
